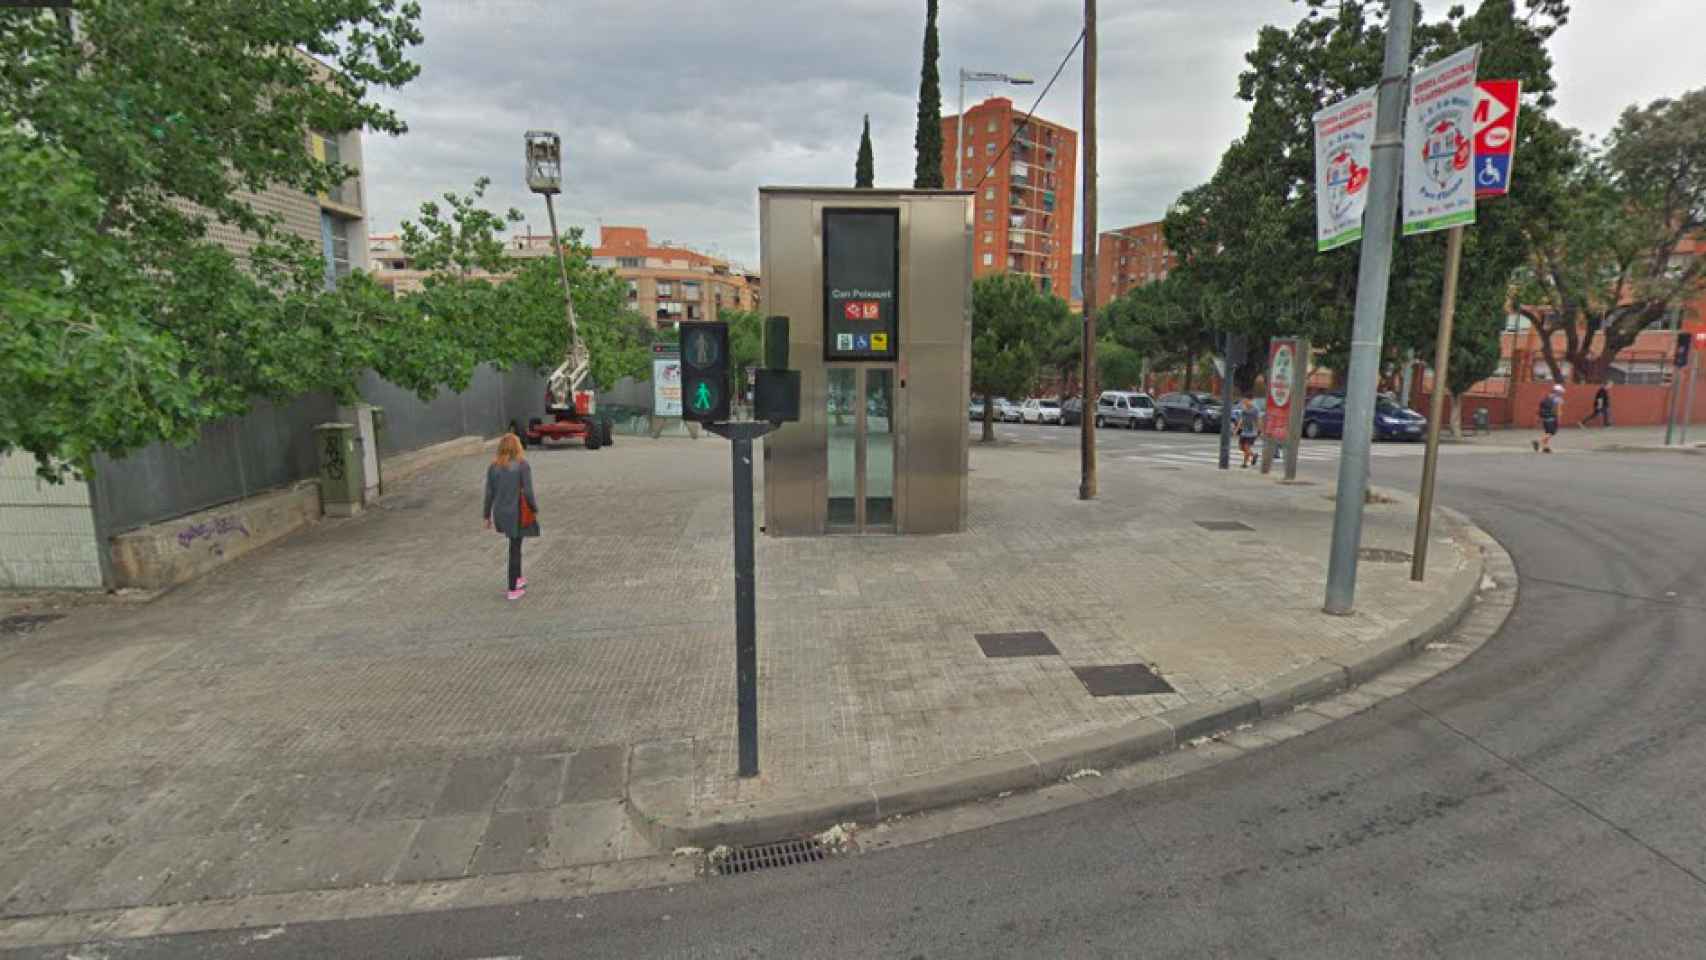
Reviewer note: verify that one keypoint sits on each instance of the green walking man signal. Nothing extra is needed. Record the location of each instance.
(705, 371)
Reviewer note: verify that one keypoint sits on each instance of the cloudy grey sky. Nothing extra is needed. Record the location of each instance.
(674, 111)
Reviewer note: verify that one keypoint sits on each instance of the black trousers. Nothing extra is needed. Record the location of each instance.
(514, 561)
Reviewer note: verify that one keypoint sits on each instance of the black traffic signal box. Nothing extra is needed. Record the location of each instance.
(1683, 341)
(705, 372)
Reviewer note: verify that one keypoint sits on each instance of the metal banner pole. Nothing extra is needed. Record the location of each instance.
(1688, 404)
(1374, 276)
(1436, 402)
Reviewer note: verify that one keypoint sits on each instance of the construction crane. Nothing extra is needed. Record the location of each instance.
(567, 399)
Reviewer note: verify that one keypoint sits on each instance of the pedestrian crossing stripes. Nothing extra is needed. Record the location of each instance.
(1192, 456)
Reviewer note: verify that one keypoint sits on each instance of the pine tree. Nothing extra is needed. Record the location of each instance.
(928, 139)
(863, 173)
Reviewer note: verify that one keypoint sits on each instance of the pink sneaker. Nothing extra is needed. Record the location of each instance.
(516, 594)
(521, 583)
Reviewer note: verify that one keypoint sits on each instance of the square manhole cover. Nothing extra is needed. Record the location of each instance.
(1028, 643)
(1121, 680)
(1225, 526)
(26, 622)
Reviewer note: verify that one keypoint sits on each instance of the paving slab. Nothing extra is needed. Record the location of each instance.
(358, 705)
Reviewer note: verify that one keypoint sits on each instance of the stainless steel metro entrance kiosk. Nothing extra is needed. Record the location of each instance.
(877, 286)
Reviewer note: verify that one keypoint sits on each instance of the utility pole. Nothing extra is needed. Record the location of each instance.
(1374, 275)
(1087, 443)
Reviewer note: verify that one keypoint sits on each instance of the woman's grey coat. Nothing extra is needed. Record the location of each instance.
(505, 486)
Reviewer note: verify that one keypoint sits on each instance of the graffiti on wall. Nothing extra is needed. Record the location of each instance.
(217, 527)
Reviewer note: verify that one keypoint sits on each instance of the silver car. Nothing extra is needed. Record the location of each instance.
(1121, 408)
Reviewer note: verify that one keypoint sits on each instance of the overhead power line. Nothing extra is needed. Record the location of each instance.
(1033, 111)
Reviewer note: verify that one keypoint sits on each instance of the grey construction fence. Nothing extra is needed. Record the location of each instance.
(273, 445)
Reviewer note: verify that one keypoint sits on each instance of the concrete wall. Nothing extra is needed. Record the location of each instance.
(162, 554)
(47, 531)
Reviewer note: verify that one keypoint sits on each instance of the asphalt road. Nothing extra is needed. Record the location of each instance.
(1546, 798)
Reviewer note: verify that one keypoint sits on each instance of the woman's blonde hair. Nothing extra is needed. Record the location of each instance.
(509, 450)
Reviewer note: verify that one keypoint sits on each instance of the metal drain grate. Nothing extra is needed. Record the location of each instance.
(763, 856)
(1225, 526)
(1122, 680)
(1028, 643)
(25, 622)
(1377, 555)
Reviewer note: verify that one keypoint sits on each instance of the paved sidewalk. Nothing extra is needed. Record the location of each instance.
(359, 705)
(1573, 438)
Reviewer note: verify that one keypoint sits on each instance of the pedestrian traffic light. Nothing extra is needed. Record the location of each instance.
(1683, 341)
(705, 372)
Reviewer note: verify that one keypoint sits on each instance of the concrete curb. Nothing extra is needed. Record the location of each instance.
(668, 826)
(1689, 451)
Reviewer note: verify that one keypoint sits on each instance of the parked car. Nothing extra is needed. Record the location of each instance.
(1007, 411)
(1324, 416)
(976, 409)
(1037, 410)
(1121, 408)
(1188, 411)
(1071, 411)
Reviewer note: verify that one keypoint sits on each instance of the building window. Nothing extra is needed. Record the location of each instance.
(633, 289)
(666, 289)
(693, 311)
(690, 290)
(989, 259)
(334, 248)
(632, 262)
(989, 216)
(993, 124)
(989, 236)
(989, 193)
(989, 148)
(969, 151)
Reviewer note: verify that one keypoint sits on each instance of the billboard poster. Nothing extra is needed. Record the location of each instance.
(861, 284)
(1285, 383)
(666, 386)
(1439, 145)
(1496, 105)
(1344, 138)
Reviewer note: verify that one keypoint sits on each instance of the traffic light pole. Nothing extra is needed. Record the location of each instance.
(740, 434)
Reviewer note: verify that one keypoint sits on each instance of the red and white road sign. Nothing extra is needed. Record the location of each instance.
(1496, 105)
(1285, 382)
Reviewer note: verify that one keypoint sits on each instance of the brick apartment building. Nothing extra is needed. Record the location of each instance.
(1024, 205)
(671, 284)
(1130, 257)
(667, 284)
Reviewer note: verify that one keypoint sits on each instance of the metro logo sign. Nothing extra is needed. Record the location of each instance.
(862, 310)
(1496, 106)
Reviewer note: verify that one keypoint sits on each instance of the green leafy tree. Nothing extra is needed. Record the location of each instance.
(746, 344)
(1118, 367)
(1613, 262)
(864, 170)
(1011, 322)
(1247, 236)
(928, 140)
(125, 132)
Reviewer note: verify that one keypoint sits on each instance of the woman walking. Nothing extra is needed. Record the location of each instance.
(510, 505)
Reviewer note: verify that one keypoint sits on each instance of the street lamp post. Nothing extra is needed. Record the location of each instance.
(978, 76)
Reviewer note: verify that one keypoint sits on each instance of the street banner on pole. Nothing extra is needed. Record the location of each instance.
(1496, 105)
(1344, 136)
(1284, 386)
(1439, 145)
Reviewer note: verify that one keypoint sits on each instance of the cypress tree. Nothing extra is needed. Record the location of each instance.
(863, 172)
(928, 140)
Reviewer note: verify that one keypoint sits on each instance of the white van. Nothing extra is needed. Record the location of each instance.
(1121, 408)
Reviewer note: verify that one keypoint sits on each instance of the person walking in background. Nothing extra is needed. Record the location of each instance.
(1551, 408)
(1249, 428)
(510, 506)
(1601, 406)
